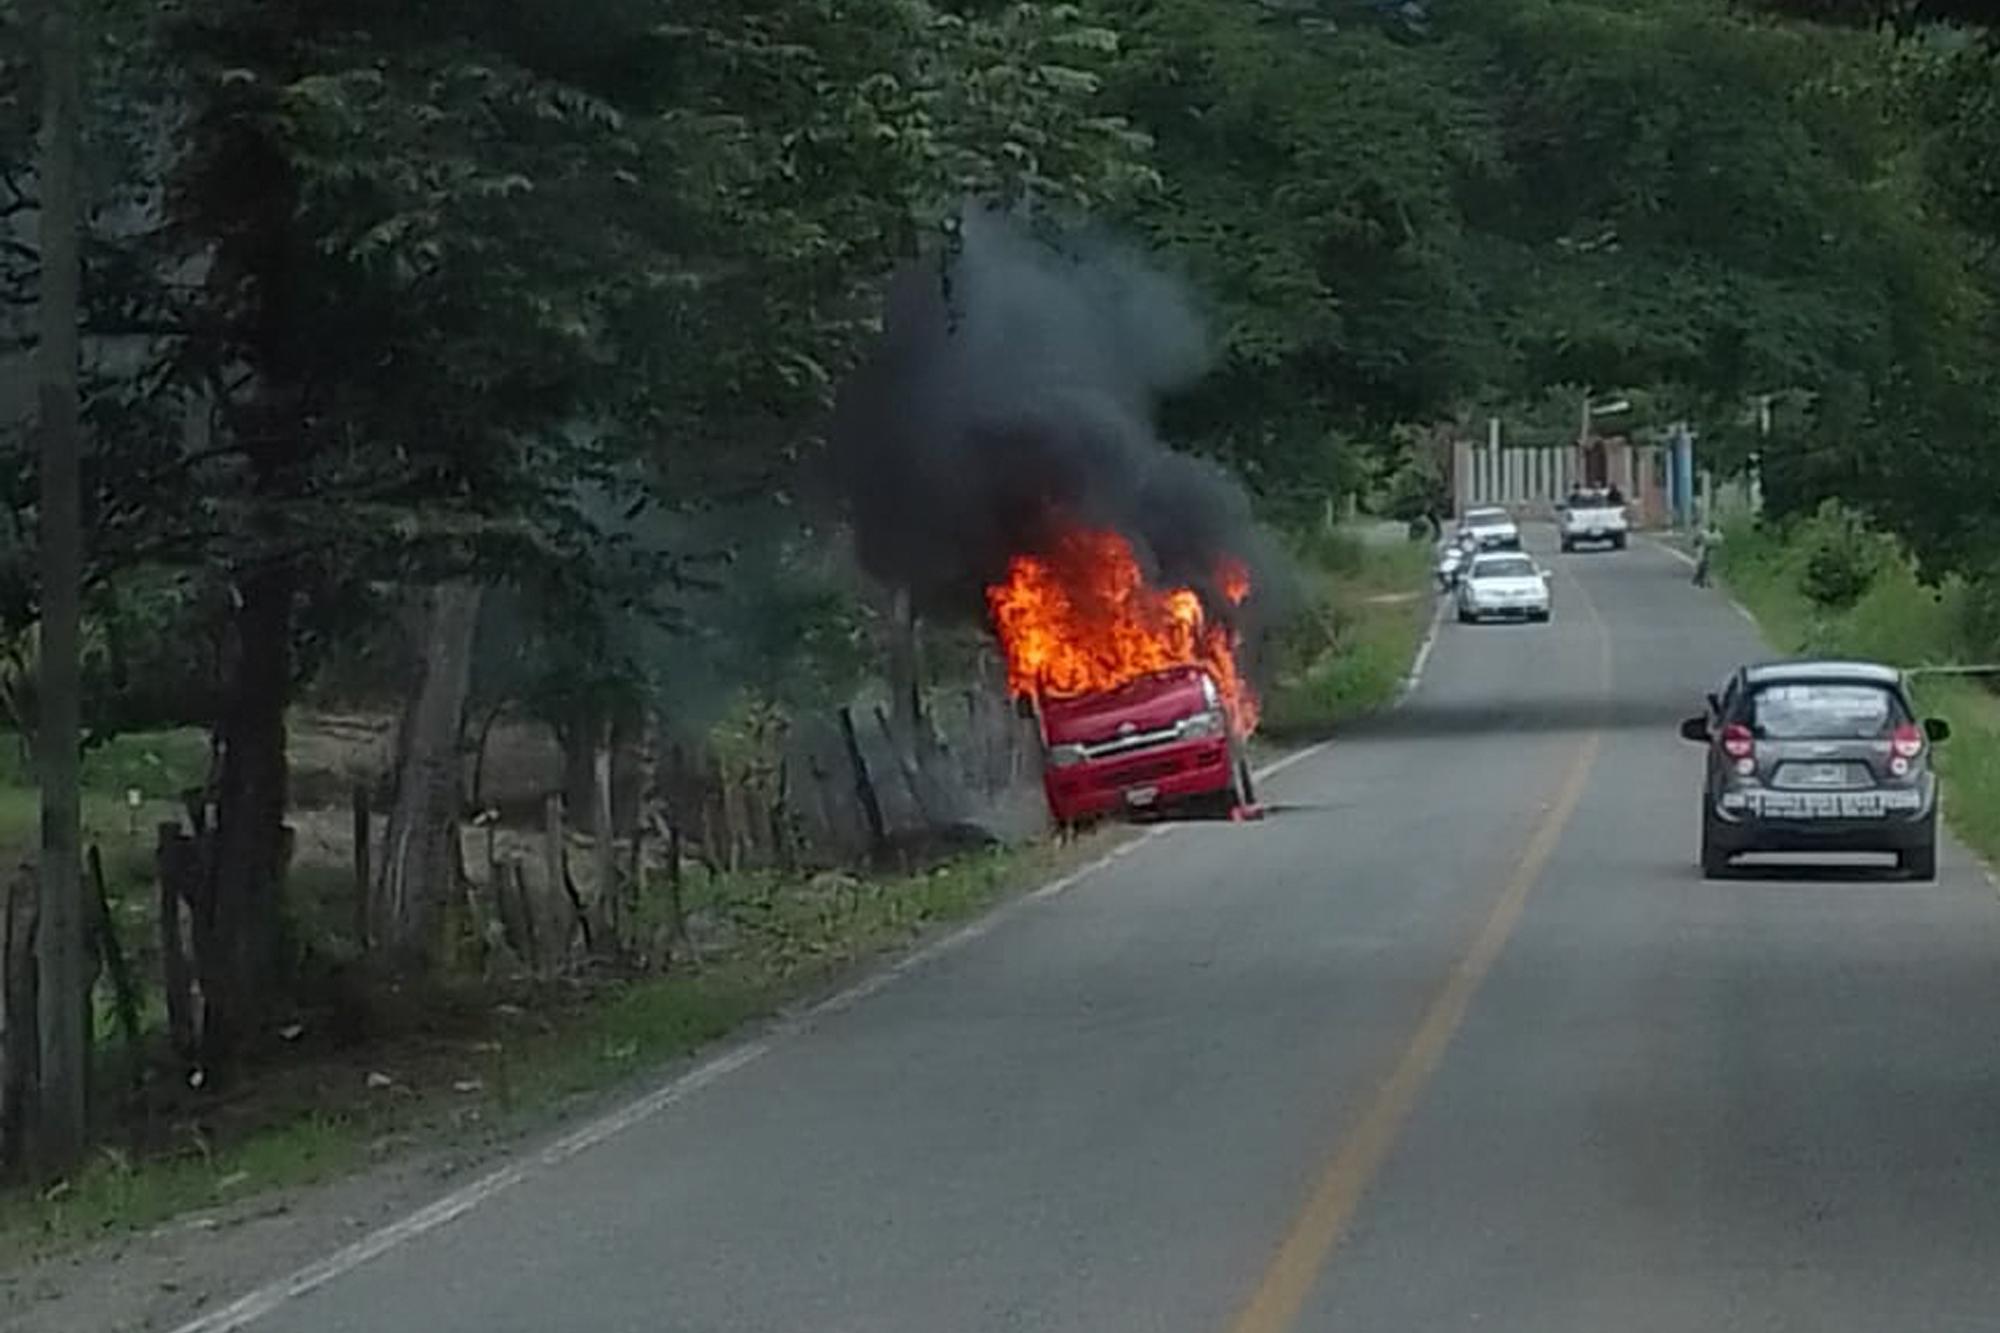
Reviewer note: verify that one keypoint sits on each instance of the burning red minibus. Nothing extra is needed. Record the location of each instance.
(1138, 695)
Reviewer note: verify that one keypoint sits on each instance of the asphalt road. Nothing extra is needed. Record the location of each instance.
(1457, 1038)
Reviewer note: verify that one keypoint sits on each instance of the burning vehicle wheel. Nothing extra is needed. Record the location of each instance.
(1242, 787)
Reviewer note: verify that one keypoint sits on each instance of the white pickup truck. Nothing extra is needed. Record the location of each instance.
(1591, 516)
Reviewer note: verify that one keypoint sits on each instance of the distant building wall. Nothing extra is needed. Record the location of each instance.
(1531, 477)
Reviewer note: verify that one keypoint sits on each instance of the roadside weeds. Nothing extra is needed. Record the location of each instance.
(1352, 651)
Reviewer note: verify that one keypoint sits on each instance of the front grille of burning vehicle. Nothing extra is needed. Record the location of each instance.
(1148, 767)
(1110, 747)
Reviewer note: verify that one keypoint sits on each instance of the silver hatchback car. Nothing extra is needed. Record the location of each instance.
(1817, 756)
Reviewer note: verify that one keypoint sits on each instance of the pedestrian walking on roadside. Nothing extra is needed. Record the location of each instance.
(1706, 539)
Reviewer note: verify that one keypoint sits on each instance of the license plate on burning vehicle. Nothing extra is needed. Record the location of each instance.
(1140, 797)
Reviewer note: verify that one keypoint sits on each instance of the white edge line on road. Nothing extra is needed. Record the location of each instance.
(1285, 761)
(1423, 657)
(1674, 551)
(254, 1305)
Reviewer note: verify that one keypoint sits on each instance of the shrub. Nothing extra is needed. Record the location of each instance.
(1842, 561)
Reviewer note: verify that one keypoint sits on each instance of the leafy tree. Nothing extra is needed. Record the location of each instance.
(456, 263)
(1313, 169)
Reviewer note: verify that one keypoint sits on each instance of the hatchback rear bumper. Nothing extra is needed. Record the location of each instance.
(1738, 832)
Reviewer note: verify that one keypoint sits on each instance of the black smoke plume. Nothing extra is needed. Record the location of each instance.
(1010, 397)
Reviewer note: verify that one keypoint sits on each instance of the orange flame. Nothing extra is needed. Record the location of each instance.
(1235, 577)
(1084, 619)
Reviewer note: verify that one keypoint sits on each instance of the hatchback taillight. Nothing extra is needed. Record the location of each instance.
(1737, 742)
(1906, 741)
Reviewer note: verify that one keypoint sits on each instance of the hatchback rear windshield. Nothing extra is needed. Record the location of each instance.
(1522, 568)
(1824, 712)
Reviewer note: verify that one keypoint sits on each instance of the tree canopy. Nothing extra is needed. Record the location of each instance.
(383, 295)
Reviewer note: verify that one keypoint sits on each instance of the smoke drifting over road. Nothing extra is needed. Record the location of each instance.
(1011, 398)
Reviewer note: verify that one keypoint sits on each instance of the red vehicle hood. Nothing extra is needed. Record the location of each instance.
(1149, 703)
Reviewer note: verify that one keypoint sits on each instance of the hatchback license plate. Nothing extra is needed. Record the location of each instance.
(1141, 796)
(1834, 805)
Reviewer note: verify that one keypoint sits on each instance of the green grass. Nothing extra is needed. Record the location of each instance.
(1896, 619)
(791, 939)
(1349, 654)
(157, 763)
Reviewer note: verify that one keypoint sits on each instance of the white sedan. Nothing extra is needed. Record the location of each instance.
(1503, 585)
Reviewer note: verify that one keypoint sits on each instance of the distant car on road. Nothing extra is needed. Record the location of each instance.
(1590, 518)
(1162, 739)
(1817, 756)
(1505, 585)
(1491, 529)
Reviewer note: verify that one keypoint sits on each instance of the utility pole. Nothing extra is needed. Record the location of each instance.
(60, 1122)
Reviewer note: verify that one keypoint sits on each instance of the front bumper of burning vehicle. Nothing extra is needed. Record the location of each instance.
(1159, 775)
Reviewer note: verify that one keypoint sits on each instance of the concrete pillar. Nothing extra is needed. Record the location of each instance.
(1683, 476)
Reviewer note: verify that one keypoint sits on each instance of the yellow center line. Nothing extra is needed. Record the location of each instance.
(1327, 1214)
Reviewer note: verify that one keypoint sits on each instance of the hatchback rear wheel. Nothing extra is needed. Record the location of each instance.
(1920, 862)
(1715, 853)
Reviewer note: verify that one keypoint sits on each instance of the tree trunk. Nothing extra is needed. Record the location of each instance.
(631, 775)
(419, 867)
(580, 734)
(18, 1027)
(61, 1119)
(239, 930)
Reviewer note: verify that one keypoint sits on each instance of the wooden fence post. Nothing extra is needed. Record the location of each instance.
(363, 879)
(864, 786)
